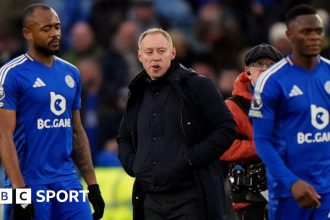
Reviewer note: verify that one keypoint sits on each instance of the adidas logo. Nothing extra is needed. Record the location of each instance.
(38, 83)
(295, 91)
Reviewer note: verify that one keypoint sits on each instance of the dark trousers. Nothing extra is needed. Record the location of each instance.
(177, 205)
(252, 212)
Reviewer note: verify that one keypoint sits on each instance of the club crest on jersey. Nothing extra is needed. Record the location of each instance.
(69, 81)
(2, 92)
(327, 87)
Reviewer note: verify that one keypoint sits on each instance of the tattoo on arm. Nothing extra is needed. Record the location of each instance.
(81, 149)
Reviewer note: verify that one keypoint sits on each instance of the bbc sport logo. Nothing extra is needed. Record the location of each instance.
(24, 196)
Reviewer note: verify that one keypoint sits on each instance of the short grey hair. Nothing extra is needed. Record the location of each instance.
(153, 31)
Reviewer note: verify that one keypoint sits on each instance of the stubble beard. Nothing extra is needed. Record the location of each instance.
(46, 51)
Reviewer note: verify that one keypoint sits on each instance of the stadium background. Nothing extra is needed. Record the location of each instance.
(99, 37)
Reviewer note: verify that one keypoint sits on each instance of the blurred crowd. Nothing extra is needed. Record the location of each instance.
(100, 38)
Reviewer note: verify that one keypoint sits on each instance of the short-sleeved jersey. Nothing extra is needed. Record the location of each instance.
(43, 98)
(297, 102)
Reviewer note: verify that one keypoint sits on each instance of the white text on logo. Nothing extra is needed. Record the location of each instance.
(318, 137)
(24, 196)
(56, 123)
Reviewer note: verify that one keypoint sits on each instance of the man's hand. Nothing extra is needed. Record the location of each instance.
(22, 211)
(305, 195)
(94, 196)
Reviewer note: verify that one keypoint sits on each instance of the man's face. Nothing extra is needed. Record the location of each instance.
(256, 68)
(156, 55)
(306, 34)
(43, 31)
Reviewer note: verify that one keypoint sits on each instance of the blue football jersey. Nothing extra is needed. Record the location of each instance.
(43, 98)
(290, 113)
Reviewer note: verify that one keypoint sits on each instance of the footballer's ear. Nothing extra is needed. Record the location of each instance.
(289, 34)
(27, 34)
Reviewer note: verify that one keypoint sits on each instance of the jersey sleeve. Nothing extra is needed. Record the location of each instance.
(9, 90)
(264, 110)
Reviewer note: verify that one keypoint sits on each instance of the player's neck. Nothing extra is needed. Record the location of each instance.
(306, 62)
(47, 60)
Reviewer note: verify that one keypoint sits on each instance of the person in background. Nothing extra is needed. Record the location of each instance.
(175, 127)
(41, 135)
(83, 44)
(277, 38)
(226, 80)
(91, 78)
(108, 156)
(290, 112)
(242, 158)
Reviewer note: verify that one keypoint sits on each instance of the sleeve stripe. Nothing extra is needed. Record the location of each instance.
(4, 70)
(325, 60)
(265, 75)
(64, 61)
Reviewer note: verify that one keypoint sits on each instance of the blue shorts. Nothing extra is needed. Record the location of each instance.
(288, 208)
(76, 209)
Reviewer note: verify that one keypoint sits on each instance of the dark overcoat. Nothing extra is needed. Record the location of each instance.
(208, 128)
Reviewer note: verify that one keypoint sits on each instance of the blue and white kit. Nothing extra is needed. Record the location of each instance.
(290, 112)
(44, 99)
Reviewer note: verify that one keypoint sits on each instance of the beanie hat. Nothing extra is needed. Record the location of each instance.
(262, 51)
